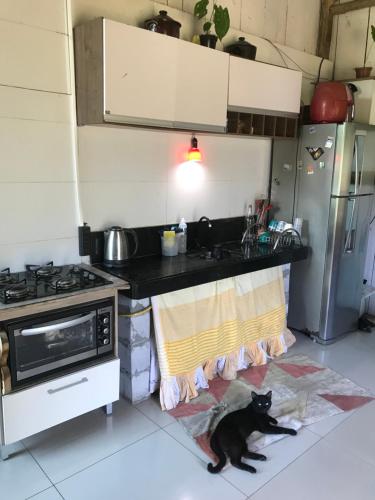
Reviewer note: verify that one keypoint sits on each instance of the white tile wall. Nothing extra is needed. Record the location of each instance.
(47, 14)
(30, 105)
(37, 211)
(37, 178)
(119, 154)
(33, 58)
(133, 12)
(35, 151)
(129, 176)
(129, 204)
(61, 251)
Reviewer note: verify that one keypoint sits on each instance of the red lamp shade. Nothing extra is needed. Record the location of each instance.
(194, 153)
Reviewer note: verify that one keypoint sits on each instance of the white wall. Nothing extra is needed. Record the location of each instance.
(38, 188)
(290, 24)
(38, 218)
(349, 42)
(129, 176)
(293, 23)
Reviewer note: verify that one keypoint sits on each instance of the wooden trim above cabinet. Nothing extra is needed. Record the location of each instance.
(88, 67)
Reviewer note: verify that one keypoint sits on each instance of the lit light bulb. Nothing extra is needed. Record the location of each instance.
(194, 153)
(190, 175)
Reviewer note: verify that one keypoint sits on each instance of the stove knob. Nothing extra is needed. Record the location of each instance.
(105, 320)
(105, 341)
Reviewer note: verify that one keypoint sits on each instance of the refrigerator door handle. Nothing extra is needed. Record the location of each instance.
(350, 236)
(356, 181)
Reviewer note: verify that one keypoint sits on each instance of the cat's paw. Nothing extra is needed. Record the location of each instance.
(252, 470)
(292, 432)
(262, 458)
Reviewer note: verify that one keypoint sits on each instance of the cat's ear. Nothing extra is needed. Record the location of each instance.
(254, 394)
(269, 394)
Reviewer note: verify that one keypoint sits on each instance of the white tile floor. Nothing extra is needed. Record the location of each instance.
(142, 454)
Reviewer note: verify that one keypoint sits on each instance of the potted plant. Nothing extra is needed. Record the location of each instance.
(365, 71)
(219, 19)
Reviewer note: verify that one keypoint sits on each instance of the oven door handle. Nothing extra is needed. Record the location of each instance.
(57, 326)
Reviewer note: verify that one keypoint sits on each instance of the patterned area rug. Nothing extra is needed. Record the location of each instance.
(303, 392)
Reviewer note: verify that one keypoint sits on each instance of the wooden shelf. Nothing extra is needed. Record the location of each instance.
(249, 124)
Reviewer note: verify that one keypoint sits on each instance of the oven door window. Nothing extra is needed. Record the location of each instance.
(45, 347)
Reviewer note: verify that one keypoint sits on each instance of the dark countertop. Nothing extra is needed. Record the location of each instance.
(155, 275)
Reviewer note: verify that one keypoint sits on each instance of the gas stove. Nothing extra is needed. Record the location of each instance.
(44, 281)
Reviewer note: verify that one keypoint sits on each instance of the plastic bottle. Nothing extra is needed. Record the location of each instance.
(182, 237)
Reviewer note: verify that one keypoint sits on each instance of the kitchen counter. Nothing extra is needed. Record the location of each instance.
(155, 275)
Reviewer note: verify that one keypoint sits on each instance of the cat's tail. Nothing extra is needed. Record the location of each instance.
(216, 448)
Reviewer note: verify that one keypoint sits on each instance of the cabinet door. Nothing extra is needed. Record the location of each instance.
(139, 75)
(261, 87)
(201, 88)
(47, 404)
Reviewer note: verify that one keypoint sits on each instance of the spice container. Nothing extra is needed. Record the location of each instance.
(242, 48)
(164, 24)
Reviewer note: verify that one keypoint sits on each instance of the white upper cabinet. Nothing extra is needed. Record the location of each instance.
(139, 75)
(128, 75)
(201, 88)
(259, 87)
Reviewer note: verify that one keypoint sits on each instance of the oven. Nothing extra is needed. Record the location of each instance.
(35, 347)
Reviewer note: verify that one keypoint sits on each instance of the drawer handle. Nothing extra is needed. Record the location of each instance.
(68, 386)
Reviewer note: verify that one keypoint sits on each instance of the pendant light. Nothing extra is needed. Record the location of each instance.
(194, 153)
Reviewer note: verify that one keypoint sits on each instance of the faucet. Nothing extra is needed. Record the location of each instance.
(286, 231)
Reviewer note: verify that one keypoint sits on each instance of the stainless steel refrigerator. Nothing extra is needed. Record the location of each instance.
(334, 192)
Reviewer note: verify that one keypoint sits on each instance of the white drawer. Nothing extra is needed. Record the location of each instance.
(33, 410)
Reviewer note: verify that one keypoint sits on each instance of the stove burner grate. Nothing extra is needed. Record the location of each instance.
(66, 283)
(15, 292)
(44, 272)
(5, 276)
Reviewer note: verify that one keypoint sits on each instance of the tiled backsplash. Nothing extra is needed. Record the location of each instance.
(128, 176)
(223, 230)
(37, 175)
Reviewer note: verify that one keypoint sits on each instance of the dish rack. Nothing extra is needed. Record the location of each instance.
(288, 238)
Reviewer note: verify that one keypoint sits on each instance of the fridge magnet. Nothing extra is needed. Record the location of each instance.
(315, 153)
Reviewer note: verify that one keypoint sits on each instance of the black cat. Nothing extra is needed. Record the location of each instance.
(229, 437)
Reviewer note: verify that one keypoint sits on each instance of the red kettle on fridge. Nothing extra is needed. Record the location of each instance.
(333, 102)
